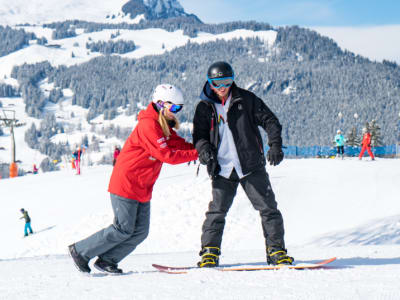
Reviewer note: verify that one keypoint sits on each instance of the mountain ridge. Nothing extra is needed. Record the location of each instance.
(47, 11)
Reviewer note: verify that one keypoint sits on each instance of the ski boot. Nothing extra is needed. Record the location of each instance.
(277, 255)
(81, 263)
(107, 267)
(209, 257)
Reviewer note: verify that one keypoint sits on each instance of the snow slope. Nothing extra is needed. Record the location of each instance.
(330, 207)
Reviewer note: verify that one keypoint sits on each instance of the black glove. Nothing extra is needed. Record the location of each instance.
(275, 155)
(213, 168)
(208, 156)
(206, 153)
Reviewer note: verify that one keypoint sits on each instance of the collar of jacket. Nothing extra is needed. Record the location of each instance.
(208, 94)
(149, 112)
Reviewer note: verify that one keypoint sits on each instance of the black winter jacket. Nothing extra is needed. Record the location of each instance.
(26, 217)
(245, 114)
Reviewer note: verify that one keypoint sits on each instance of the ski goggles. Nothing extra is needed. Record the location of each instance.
(174, 108)
(221, 82)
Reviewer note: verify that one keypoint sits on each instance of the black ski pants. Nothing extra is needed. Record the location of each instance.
(340, 149)
(258, 189)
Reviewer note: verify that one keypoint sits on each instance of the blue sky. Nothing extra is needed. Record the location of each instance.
(303, 13)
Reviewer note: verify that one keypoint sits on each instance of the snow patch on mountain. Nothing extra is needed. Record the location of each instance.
(115, 11)
(153, 41)
(45, 11)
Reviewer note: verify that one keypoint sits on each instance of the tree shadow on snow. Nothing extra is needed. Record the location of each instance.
(366, 261)
(339, 263)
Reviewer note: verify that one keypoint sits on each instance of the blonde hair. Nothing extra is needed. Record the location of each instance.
(164, 123)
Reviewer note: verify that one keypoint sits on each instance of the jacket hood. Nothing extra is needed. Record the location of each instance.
(149, 113)
(208, 94)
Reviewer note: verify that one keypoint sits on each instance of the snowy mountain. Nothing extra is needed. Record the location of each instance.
(49, 69)
(154, 9)
(46, 11)
(67, 90)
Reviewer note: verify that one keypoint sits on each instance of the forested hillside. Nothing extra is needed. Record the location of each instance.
(304, 77)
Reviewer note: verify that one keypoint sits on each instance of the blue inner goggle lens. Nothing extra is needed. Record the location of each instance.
(175, 108)
(221, 82)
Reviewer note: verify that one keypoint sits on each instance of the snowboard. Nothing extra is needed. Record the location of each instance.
(301, 266)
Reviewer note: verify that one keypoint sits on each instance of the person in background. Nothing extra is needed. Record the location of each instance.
(226, 135)
(153, 142)
(366, 144)
(35, 169)
(77, 159)
(116, 153)
(27, 222)
(340, 140)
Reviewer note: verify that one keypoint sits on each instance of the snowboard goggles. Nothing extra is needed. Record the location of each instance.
(221, 82)
(174, 108)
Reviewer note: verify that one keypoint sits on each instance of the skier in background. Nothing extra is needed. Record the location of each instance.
(226, 135)
(152, 143)
(340, 140)
(366, 144)
(35, 169)
(116, 153)
(27, 222)
(77, 160)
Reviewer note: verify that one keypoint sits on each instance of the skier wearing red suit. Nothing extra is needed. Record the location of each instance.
(366, 144)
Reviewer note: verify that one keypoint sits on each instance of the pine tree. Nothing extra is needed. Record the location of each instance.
(376, 138)
(352, 140)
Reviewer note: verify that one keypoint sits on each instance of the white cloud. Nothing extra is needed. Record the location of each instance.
(374, 42)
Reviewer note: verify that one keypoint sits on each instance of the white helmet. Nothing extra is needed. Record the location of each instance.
(168, 93)
(339, 131)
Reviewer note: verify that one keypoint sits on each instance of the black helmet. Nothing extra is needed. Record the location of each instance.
(220, 69)
(22, 210)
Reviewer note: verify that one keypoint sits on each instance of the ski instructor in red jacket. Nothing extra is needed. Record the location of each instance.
(366, 145)
(152, 143)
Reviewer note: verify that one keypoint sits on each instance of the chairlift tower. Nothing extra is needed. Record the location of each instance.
(8, 118)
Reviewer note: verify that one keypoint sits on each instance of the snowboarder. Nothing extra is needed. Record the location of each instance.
(27, 222)
(340, 140)
(116, 153)
(152, 143)
(226, 135)
(77, 159)
(366, 144)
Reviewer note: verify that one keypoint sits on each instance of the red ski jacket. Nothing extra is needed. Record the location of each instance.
(366, 141)
(139, 163)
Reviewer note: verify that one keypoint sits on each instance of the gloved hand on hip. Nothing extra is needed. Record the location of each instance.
(275, 155)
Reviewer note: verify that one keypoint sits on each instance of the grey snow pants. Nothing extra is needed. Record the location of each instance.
(258, 189)
(130, 228)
